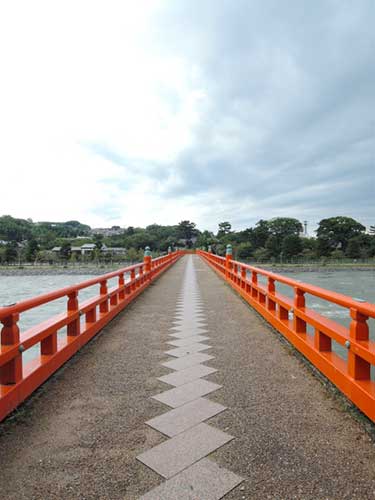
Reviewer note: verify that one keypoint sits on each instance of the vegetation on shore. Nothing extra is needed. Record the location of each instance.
(275, 241)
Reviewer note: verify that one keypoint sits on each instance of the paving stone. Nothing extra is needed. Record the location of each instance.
(189, 317)
(184, 376)
(179, 352)
(179, 452)
(180, 419)
(186, 361)
(188, 332)
(185, 325)
(188, 320)
(189, 314)
(203, 480)
(188, 340)
(181, 395)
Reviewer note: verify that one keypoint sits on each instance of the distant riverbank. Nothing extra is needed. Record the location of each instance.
(301, 268)
(60, 270)
(96, 270)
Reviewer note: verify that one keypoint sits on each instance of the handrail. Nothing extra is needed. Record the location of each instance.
(18, 379)
(291, 317)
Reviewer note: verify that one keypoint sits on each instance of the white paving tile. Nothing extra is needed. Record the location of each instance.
(184, 417)
(182, 377)
(188, 332)
(179, 352)
(182, 394)
(203, 480)
(186, 361)
(188, 340)
(181, 451)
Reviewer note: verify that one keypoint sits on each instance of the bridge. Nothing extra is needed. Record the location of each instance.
(187, 392)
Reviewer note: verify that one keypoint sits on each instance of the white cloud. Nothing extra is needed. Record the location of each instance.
(78, 72)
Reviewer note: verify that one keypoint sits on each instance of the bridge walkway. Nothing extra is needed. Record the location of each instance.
(283, 432)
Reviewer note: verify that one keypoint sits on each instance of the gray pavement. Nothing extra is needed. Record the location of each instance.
(275, 424)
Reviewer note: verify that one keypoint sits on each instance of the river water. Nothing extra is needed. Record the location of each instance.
(359, 284)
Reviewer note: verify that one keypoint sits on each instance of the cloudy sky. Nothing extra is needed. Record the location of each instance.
(135, 112)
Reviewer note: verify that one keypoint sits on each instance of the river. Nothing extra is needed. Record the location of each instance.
(359, 284)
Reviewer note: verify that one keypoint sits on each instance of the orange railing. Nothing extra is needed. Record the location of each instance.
(19, 378)
(293, 318)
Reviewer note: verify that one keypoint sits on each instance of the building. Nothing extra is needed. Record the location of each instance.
(88, 248)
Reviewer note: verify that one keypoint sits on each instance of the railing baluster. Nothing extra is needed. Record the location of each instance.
(321, 341)
(254, 284)
(103, 307)
(358, 368)
(73, 327)
(121, 283)
(271, 304)
(11, 372)
(299, 324)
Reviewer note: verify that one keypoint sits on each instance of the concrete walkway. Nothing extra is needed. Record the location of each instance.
(244, 408)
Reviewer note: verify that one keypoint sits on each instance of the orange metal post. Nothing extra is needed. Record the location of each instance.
(271, 304)
(121, 283)
(299, 303)
(147, 262)
(11, 372)
(132, 277)
(358, 368)
(73, 326)
(243, 277)
(103, 307)
(228, 258)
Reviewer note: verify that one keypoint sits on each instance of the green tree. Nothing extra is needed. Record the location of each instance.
(244, 251)
(98, 240)
(186, 230)
(65, 251)
(11, 252)
(291, 245)
(353, 249)
(261, 254)
(259, 234)
(280, 227)
(335, 232)
(12, 229)
(132, 255)
(32, 250)
(224, 229)
(205, 239)
(273, 246)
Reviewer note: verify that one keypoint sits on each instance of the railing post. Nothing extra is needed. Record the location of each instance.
(228, 258)
(11, 372)
(121, 283)
(299, 324)
(254, 283)
(103, 307)
(132, 278)
(358, 368)
(243, 277)
(147, 262)
(141, 278)
(271, 304)
(73, 328)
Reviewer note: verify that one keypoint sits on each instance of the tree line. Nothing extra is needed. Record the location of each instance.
(276, 240)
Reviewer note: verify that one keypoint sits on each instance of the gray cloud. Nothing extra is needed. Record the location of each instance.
(287, 126)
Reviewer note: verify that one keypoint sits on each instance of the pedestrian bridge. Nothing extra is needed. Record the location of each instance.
(187, 392)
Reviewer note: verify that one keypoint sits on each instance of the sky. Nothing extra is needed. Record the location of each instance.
(155, 111)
